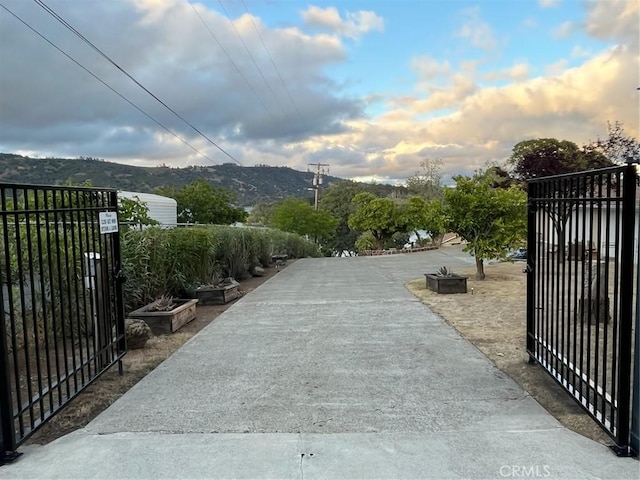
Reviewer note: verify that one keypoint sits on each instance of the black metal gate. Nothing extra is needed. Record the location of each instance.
(62, 316)
(581, 289)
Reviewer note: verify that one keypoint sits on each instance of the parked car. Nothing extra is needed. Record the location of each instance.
(519, 254)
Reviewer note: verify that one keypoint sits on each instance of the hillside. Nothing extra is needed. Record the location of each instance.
(250, 184)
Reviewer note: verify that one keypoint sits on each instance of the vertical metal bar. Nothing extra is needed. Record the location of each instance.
(8, 442)
(531, 268)
(606, 408)
(634, 434)
(569, 282)
(43, 304)
(626, 309)
(617, 302)
(34, 314)
(8, 241)
(602, 302)
(117, 268)
(74, 316)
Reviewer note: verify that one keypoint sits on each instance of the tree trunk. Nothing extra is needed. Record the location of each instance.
(479, 269)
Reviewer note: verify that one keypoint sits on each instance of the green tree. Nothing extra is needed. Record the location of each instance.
(261, 213)
(199, 202)
(134, 212)
(338, 201)
(298, 216)
(491, 220)
(380, 216)
(427, 216)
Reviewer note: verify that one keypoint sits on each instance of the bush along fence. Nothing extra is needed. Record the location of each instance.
(176, 261)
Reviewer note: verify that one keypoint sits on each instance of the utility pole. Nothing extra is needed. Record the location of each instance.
(317, 180)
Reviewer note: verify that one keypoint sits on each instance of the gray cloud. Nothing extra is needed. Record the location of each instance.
(54, 104)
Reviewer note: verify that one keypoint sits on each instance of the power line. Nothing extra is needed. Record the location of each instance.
(224, 50)
(284, 85)
(253, 60)
(107, 85)
(110, 60)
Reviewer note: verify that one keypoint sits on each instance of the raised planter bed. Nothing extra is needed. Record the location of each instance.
(449, 284)
(218, 295)
(170, 321)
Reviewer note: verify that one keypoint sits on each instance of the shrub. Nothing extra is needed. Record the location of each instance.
(176, 261)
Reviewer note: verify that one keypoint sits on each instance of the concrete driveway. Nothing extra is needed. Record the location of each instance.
(331, 369)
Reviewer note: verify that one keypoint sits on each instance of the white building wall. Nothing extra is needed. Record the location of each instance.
(161, 209)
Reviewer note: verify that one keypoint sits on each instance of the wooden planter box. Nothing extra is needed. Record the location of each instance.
(170, 321)
(218, 295)
(452, 284)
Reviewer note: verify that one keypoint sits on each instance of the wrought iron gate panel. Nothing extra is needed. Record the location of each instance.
(62, 316)
(581, 288)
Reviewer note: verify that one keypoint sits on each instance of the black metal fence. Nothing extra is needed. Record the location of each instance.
(581, 289)
(62, 317)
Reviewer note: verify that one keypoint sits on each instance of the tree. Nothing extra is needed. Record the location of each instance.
(380, 216)
(544, 157)
(427, 216)
(298, 216)
(199, 202)
(261, 213)
(426, 183)
(548, 156)
(618, 147)
(133, 211)
(338, 201)
(491, 220)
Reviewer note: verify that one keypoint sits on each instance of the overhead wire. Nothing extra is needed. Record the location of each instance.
(275, 67)
(167, 129)
(121, 69)
(224, 50)
(253, 60)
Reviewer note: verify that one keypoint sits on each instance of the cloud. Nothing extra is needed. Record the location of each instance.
(556, 68)
(580, 52)
(574, 104)
(353, 26)
(614, 20)
(565, 30)
(427, 67)
(479, 33)
(518, 72)
(548, 3)
(55, 108)
(165, 46)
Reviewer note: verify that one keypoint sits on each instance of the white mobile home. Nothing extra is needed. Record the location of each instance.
(161, 209)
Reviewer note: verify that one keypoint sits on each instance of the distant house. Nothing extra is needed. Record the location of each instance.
(162, 209)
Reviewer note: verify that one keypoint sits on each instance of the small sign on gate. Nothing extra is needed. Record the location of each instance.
(108, 222)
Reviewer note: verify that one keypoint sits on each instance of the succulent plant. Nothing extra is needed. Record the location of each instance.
(444, 272)
(163, 304)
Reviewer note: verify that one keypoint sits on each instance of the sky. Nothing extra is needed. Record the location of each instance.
(370, 88)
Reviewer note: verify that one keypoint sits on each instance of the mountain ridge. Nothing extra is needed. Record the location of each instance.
(251, 185)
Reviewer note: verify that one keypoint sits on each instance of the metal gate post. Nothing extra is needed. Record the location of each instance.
(626, 310)
(530, 269)
(119, 280)
(8, 444)
(634, 436)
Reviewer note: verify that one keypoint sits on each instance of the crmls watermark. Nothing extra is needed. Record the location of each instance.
(525, 471)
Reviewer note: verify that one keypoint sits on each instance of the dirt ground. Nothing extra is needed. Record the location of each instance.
(492, 316)
(137, 363)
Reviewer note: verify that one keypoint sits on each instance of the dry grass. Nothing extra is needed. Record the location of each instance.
(492, 316)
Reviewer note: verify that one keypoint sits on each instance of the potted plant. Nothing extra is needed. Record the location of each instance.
(167, 315)
(219, 291)
(445, 281)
